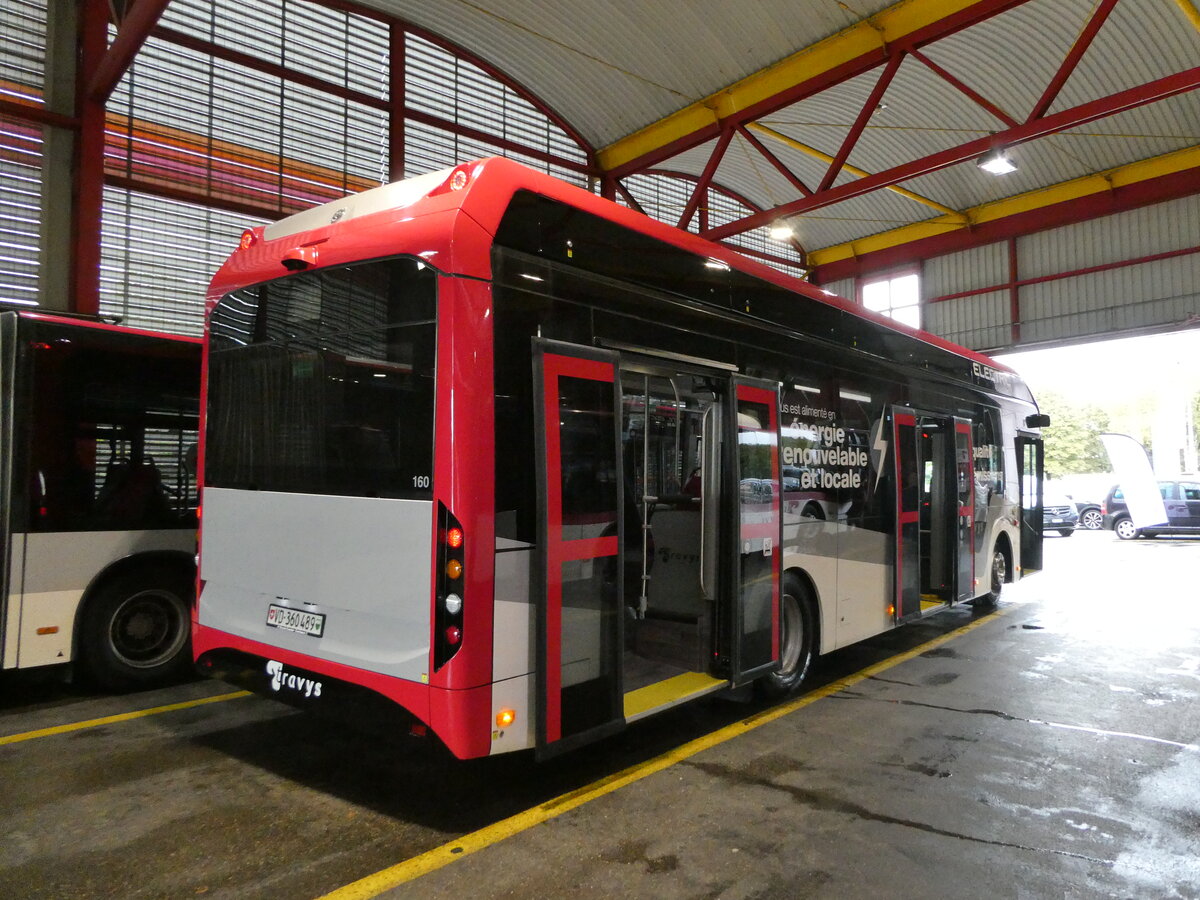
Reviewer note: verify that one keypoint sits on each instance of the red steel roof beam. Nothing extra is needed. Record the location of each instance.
(1122, 101)
(762, 254)
(1072, 59)
(860, 123)
(28, 112)
(710, 169)
(774, 160)
(961, 86)
(629, 198)
(132, 32)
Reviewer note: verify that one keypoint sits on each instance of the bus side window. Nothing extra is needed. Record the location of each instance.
(132, 496)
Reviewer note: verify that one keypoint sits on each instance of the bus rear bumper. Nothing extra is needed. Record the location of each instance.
(379, 705)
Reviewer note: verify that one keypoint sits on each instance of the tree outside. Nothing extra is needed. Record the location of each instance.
(1073, 438)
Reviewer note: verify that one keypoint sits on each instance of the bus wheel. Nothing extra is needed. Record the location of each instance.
(136, 629)
(796, 641)
(999, 575)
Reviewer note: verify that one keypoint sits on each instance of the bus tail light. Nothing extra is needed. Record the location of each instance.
(451, 588)
(459, 178)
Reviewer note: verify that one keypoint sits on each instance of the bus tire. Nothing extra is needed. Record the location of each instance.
(999, 574)
(797, 639)
(136, 629)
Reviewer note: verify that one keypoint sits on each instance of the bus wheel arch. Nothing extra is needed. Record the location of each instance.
(133, 628)
(800, 634)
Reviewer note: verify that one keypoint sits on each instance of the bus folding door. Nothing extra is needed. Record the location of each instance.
(1030, 463)
(579, 611)
(757, 554)
(964, 473)
(908, 516)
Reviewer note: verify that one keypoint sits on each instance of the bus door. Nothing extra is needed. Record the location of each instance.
(931, 537)
(908, 516)
(756, 554)
(10, 553)
(1031, 459)
(579, 610)
(964, 471)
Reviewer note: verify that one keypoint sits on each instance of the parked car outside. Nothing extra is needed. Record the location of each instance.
(1181, 499)
(1059, 514)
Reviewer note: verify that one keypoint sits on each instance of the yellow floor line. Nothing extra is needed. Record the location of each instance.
(670, 690)
(121, 717)
(432, 860)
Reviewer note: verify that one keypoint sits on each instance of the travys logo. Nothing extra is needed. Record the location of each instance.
(280, 678)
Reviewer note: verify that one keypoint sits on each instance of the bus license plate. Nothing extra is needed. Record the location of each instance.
(295, 620)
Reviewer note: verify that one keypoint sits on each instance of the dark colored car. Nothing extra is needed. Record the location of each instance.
(1091, 517)
(1181, 498)
(1059, 514)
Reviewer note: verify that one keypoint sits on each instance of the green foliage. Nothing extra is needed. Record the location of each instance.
(1073, 439)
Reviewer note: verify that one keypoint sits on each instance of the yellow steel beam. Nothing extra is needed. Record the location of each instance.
(853, 170)
(871, 34)
(1189, 10)
(1167, 164)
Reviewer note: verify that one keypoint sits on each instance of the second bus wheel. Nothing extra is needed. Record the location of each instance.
(136, 628)
(797, 639)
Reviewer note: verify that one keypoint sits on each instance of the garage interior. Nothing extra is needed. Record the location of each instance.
(1032, 165)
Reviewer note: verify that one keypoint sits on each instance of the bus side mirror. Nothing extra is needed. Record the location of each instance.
(1039, 421)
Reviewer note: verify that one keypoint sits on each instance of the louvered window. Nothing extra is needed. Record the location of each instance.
(158, 256)
(269, 108)
(22, 37)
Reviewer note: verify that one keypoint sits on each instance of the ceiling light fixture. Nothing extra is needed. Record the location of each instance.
(997, 162)
(780, 231)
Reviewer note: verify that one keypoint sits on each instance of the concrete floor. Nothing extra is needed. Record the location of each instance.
(1050, 751)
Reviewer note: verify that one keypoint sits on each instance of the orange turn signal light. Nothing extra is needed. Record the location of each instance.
(454, 569)
(505, 717)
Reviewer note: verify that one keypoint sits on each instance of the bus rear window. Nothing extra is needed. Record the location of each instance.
(322, 383)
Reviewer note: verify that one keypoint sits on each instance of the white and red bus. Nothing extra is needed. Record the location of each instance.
(529, 466)
(99, 496)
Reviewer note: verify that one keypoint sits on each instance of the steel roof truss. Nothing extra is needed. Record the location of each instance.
(132, 31)
(775, 161)
(710, 169)
(1104, 107)
(860, 122)
(1072, 59)
(964, 88)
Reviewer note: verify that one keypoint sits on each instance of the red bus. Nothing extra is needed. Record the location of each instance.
(98, 527)
(527, 466)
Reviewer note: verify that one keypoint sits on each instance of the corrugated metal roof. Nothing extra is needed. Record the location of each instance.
(612, 69)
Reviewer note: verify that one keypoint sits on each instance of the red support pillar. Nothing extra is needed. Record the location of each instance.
(1014, 292)
(89, 162)
(396, 97)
